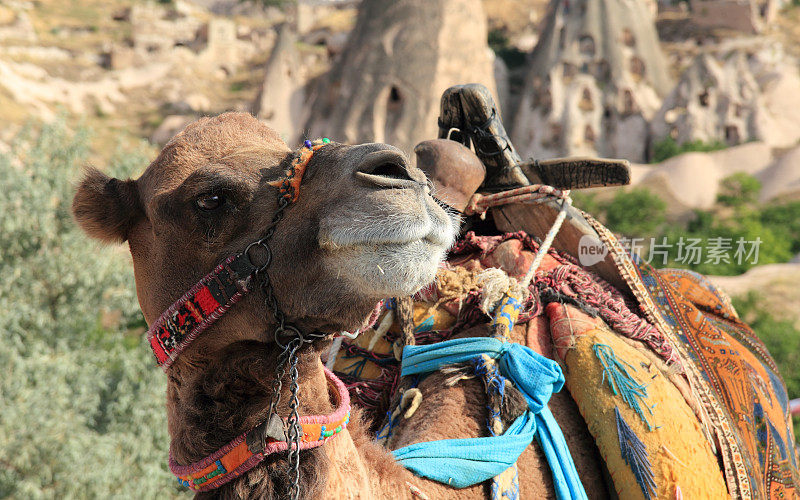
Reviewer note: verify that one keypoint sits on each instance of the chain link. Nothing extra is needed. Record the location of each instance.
(287, 358)
(293, 422)
(289, 339)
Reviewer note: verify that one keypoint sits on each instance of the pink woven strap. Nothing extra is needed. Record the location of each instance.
(250, 448)
(201, 306)
(480, 203)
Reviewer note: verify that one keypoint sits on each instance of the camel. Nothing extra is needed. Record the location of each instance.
(365, 227)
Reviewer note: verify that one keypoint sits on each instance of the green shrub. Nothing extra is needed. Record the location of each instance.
(739, 190)
(637, 212)
(82, 403)
(784, 219)
(668, 147)
(708, 227)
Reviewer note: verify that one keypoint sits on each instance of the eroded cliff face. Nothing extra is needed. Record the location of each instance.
(386, 84)
(595, 79)
(734, 95)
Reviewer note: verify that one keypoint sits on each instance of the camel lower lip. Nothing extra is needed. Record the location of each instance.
(351, 240)
(380, 243)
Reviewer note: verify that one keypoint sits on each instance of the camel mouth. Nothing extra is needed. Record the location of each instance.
(393, 269)
(392, 251)
(387, 235)
(387, 180)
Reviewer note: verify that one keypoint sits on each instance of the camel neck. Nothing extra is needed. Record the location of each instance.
(267, 439)
(232, 394)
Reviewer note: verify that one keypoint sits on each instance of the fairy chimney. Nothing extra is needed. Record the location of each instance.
(399, 58)
(596, 78)
(280, 100)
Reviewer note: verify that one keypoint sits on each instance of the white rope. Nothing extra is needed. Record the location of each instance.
(333, 351)
(566, 202)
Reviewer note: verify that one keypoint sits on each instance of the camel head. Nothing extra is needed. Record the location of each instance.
(364, 227)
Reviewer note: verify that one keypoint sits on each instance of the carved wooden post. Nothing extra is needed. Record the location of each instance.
(469, 115)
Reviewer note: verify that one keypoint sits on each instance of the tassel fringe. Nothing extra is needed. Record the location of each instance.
(621, 382)
(634, 453)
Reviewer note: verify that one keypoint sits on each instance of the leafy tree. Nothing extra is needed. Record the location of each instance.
(82, 404)
(784, 219)
(739, 190)
(499, 43)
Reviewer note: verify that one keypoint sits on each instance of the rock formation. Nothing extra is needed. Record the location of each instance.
(596, 77)
(781, 180)
(692, 180)
(749, 16)
(386, 84)
(15, 26)
(280, 100)
(156, 29)
(734, 96)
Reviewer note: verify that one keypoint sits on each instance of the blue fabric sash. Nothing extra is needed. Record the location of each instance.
(464, 462)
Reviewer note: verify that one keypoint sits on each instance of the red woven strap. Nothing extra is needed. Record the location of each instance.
(249, 449)
(179, 325)
(480, 203)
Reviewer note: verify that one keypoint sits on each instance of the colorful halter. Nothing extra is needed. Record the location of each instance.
(205, 302)
(249, 449)
(201, 306)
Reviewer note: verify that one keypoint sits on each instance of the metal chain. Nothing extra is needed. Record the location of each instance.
(287, 336)
(277, 384)
(288, 333)
(293, 422)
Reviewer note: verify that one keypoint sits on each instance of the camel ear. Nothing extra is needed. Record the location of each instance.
(106, 208)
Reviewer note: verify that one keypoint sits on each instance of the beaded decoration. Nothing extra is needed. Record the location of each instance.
(249, 449)
(289, 186)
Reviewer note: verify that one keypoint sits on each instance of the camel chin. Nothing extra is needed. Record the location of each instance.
(395, 257)
(393, 269)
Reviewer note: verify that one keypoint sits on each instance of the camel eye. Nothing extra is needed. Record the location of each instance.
(209, 202)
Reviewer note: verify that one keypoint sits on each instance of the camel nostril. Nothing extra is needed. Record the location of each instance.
(386, 169)
(392, 171)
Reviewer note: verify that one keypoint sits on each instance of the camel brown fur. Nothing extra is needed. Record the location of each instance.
(364, 228)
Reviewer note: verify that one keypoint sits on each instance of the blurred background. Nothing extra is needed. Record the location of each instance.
(702, 96)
